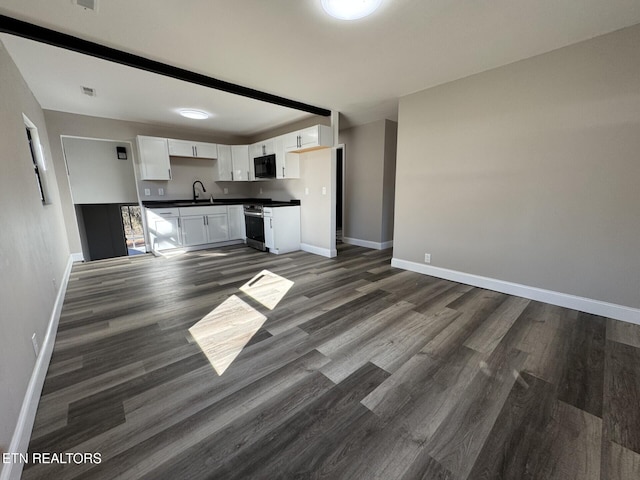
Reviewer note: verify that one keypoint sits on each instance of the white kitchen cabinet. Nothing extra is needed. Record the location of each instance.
(282, 229)
(194, 230)
(265, 147)
(235, 214)
(242, 166)
(154, 158)
(202, 225)
(187, 148)
(164, 228)
(287, 164)
(217, 227)
(225, 163)
(311, 138)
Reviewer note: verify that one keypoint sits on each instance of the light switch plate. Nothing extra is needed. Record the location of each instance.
(324, 190)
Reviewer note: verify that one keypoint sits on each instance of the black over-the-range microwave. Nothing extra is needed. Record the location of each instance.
(265, 166)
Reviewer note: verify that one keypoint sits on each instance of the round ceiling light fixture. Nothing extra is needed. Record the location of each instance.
(194, 114)
(350, 9)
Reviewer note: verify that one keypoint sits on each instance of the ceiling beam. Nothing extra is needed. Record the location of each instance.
(51, 37)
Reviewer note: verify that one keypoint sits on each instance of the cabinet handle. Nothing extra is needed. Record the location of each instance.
(179, 223)
(204, 221)
(264, 150)
(248, 175)
(232, 175)
(271, 222)
(169, 170)
(283, 172)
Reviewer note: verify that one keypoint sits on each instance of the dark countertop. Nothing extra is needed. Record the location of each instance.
(267, 202)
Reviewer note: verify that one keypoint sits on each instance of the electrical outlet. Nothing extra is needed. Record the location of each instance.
(306, 190)
(36, 347)
(226, 190)
(55, 284)
(260, 189)
(147, 191)
(161, 191)
(427, 258)
(324, 190)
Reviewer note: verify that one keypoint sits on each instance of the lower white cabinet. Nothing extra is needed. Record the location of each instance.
(217, 227)
(202, 225)
(237, 230)
(164, 228)
(282, 229)
(193, 226)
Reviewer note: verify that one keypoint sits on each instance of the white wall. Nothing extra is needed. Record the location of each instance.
(33, 246)
(529, 173)
(96, 175)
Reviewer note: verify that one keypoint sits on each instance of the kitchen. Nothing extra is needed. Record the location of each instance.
(178, 222)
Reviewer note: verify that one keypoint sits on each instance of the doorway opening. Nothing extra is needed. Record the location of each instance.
(133, 231)
(340, 170)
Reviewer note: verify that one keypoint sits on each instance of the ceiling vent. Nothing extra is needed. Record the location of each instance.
(87, 4)
(89, 91)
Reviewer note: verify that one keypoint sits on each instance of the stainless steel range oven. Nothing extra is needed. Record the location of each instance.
(254, 223)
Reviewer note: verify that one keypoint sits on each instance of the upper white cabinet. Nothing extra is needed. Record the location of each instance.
(154, 158)
(225, 163)
(233, 163)
(287, 164)
(186, 148)
(241, 164)
(318, 136)
(260, 149)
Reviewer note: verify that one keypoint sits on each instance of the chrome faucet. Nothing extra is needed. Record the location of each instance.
(193, 187)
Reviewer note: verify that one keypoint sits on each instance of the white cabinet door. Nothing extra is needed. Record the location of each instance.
(265, 147)
(206, 150)
(154, 158)
(225, 163)
(181, 148)
(217, 228)
(309, 138)
(269, 237)
(236, 222)
(241, 165)
(194, 231)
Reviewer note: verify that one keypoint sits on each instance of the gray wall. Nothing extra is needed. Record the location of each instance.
(185, 171)
(33, 245)
(369, 180)
(529, 173)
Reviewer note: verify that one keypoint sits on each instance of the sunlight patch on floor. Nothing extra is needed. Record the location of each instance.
(267, 288)
(225, 331)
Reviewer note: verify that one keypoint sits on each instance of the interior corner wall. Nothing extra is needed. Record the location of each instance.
(389, 180)
(33, 245)
(364, 180)
(529, 173)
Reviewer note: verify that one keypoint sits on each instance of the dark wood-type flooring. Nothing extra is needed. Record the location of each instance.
(362, 371)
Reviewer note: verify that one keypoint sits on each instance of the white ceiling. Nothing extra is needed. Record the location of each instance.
(292, 49)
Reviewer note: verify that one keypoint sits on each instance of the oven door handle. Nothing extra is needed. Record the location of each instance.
(251, 214)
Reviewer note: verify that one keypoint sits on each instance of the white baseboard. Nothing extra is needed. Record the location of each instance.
(325, 252)
(367, 243)
(24, 426)
(588, 305)
(77, 257)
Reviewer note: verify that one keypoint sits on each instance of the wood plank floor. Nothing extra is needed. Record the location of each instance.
(361, 371)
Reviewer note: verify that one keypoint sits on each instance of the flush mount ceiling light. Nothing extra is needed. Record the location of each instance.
(350, 9)
(194, 114)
